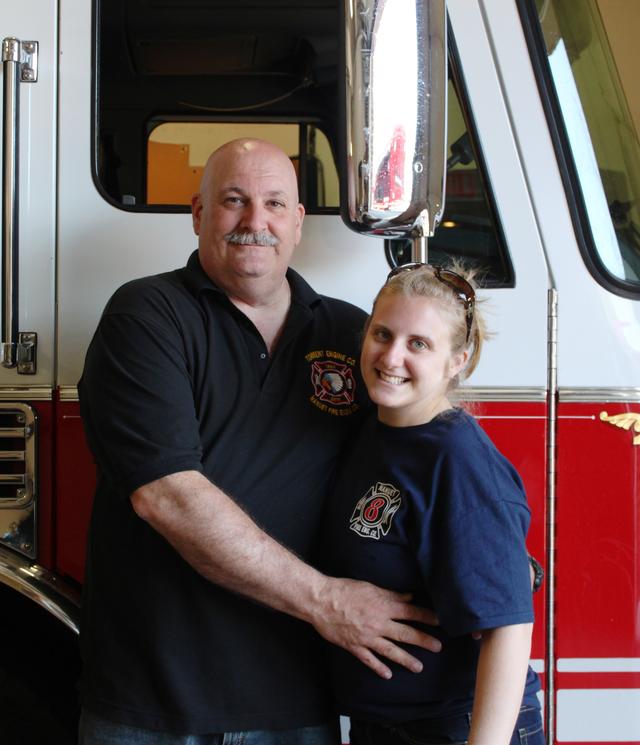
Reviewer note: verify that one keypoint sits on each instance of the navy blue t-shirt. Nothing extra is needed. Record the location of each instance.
(437, 511)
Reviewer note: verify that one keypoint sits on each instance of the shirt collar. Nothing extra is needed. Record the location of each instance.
(198, 281)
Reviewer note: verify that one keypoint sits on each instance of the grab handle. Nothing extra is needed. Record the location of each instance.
(19, 64)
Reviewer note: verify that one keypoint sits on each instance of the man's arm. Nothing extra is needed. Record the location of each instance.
(220, 541)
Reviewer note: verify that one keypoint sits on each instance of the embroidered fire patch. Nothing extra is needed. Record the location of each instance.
(333, 383)
(374, 512)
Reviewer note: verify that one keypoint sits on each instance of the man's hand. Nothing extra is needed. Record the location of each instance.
(367, 621)
(221, 542)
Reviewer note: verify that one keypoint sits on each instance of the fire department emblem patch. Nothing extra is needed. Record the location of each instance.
(333, 382)
(373, 514)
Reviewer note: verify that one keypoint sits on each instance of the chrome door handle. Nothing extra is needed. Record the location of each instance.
(19, 63)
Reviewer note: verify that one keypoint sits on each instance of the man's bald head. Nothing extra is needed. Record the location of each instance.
(245, 149)
(247, 215)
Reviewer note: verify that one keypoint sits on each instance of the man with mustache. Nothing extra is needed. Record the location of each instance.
(215, 439)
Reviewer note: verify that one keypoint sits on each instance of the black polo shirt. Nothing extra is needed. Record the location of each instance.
(176, 378)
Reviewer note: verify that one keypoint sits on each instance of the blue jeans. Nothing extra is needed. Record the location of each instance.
(444, 731)
(97, 731)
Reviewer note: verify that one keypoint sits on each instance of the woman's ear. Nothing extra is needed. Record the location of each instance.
(458, 363)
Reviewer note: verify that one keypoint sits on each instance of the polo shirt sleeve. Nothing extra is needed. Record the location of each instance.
(480, 576)
(137, 402)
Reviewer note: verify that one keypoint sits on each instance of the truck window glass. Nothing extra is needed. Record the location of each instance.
(470, 229)
(177, 152)
(168, 80)
(591, 49)
(268, 73)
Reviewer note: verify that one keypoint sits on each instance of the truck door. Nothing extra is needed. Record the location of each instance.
(29, 113)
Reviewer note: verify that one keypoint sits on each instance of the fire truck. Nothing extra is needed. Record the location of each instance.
(109, 111)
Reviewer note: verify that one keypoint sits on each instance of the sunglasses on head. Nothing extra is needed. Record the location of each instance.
(463, 290)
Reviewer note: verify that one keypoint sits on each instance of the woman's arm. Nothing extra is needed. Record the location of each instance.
(502, 671)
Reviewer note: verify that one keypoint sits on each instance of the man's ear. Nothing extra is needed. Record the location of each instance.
(299, 219)
(196, 210)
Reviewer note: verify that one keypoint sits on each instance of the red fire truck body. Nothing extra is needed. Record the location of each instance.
(543, 187)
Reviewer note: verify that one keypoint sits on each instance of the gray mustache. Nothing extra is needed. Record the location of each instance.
(260, 238)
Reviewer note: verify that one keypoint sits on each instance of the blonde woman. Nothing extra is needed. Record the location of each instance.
(426, 505)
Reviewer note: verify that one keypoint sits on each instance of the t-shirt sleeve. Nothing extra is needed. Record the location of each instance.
(480, 575)
(137, 403)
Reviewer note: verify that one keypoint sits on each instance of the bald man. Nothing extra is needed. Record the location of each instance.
(216, 400)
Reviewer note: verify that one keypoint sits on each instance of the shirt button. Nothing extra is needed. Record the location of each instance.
(263, 356)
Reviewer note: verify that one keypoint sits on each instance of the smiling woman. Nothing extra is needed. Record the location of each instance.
(407, 360)
(425, 333)
(425, 504)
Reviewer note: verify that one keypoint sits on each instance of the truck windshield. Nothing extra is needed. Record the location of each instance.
(591, 47)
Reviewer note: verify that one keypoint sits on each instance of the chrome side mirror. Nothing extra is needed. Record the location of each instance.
(395, 117)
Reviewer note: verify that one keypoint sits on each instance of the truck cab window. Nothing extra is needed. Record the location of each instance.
(591, 63)
(171, 82)
(171, 86)
(470, 229)
(178, 150)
